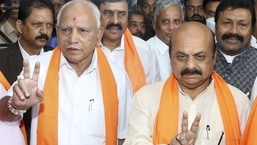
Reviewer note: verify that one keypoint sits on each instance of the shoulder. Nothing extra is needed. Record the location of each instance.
(151, 91)
(240, 98)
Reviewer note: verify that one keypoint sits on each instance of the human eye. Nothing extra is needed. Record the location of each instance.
(190, 8)
(108, 13)
(133, 25)
(200, 57)
(49, 25)
(122, 14)
(165, 21)
(65, 30)
(37, 25)
(83, 31)
(177, 21)
(181, 57)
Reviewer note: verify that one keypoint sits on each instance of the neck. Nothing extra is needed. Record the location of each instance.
(29, 48)
(81, 66)
(193, 92)
(111, 44)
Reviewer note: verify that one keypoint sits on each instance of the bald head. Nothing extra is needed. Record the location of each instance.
(193, 31)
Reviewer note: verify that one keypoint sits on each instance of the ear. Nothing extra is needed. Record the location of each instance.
(154, 24)
(19, 26)
(100, 34)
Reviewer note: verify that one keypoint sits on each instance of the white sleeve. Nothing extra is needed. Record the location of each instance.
(254, 91)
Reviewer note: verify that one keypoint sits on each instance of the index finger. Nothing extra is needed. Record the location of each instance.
(26, 71)
(36, 71)
(184, 126)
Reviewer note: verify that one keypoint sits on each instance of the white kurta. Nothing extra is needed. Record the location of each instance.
(81, 114)
(146, 56)
(146, 104)
(161, 52)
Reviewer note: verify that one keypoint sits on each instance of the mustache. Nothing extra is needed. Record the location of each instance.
(190, 72)
(198, 18)
(109, 26)
(42, 36)
(230, 35)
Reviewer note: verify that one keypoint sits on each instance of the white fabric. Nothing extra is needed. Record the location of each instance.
(81, 121)
(10, 133)
(161, 52)
(254, 91)
(24, 54)
(147, 58)
(2, 91)
(145, 105)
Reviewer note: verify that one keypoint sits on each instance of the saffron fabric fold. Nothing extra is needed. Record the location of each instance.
(47, 132)
(165, 130)
(249, 136)
(133, 64)
(4, 81)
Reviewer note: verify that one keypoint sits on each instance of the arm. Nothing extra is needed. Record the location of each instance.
(25, 95)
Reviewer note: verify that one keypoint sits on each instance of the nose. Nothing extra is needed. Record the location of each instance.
(73, 37)
(233, 29)
(191, 63)
(115, 18)
(43, 29)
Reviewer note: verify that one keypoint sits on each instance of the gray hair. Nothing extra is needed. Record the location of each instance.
(86, 3)
(166, 3)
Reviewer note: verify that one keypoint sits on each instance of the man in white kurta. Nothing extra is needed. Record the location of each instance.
(194, 88)
(146, 104)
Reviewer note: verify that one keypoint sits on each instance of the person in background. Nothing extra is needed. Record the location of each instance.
(194, 11)
(35, 24)
(210, 7)
(236, 59)
(86, 99)
(9, 10)
(120, 46)
(146, 8)
(53, 42)
(194, 95)
(168, 15)
(136, 24)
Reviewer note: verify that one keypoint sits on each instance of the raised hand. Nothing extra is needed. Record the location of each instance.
(25, 91)
(187, 137)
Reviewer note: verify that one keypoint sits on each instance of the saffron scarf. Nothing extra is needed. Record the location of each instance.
(166, 123)
(249, 136)
(47, 132)
(4, 81)
(133, 64)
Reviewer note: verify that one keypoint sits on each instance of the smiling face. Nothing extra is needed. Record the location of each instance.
(192, 55)
(167, 21)
(233, 30)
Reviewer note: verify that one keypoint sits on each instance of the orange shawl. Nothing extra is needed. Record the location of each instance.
(249, 136)
(164, 130)
(133, 64)
(48, 113)
(4, 81)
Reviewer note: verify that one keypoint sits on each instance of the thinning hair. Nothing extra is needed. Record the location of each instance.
(166, 3)
(87, 4)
